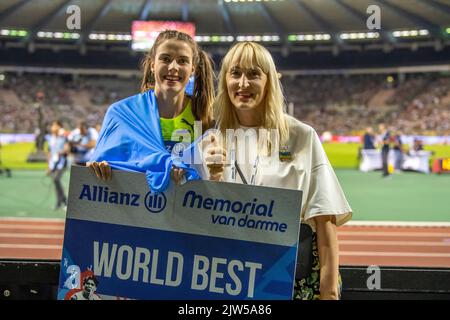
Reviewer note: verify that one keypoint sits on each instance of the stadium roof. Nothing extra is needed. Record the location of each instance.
(285, 23)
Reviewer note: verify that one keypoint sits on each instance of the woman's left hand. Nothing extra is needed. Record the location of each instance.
(329, 295)
(327, 245)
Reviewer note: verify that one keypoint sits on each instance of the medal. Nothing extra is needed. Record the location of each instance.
(285, 154)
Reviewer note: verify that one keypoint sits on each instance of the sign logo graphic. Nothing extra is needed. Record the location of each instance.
(155, 203)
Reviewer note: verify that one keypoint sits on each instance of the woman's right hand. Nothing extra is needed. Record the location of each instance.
(101, 169)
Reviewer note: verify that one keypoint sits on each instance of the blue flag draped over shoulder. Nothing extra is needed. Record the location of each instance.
(131, 140)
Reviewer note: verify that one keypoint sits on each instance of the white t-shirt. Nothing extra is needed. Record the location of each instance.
(56, 148)
(83, 154)
(308, 170)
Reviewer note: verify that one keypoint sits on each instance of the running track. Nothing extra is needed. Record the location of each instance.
(383, 244)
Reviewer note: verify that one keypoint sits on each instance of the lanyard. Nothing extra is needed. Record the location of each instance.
(235, 168)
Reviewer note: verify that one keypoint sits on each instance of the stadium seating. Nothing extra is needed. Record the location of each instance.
(341, 104)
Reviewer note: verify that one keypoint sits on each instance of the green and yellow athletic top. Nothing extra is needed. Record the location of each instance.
(178, 129)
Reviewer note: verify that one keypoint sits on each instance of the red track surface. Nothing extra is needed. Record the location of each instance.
(369, 245)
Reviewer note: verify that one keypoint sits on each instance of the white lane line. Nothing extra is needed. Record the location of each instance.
(29, 246)
(394, 254)
(397, 224)
(395, 243)
(32, 219)
(32, 235)
(393, 234)
(30, 227)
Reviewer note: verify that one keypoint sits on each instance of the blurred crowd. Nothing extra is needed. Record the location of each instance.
(340, 104)
(64, 97)
(346, 105)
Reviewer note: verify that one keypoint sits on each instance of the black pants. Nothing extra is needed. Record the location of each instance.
(60, 195)
(384, 159)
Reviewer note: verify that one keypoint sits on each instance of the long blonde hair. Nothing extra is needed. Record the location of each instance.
(250, 55)
(203, 95)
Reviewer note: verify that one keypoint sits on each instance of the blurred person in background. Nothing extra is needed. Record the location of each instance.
(57, 160)
(82, 142)
(398, 151)
(417, 145)
(98, 127)
(368, 143)
(41, 125)
(369, 139)
(385, 137)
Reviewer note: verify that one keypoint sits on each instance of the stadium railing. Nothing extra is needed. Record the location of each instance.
(38, 280)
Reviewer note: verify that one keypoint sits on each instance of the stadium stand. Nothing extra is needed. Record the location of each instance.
(342, 104)
(65, 97)
(420, 103)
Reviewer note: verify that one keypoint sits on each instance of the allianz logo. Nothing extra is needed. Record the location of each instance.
(154, 203)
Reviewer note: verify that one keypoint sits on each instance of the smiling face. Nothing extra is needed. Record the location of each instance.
(172, 66)
(90, 286)
(249, 91)
(246, 87)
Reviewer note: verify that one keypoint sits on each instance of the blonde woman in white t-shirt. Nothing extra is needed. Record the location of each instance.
(250, 98)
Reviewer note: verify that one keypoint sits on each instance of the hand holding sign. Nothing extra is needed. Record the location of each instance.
(101, 169)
